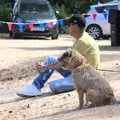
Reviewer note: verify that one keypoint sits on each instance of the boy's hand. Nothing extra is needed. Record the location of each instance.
(40, 67)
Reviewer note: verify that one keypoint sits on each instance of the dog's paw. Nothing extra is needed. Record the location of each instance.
(83, 107)
(79, 107)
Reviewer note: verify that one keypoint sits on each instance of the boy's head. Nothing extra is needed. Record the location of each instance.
(76, 24)
(78, 20)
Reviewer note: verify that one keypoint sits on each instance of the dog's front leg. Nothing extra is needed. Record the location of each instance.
(80, 95)
(86, 98)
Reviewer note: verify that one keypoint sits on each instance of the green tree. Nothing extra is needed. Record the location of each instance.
(72, 6)
(65, 7)
(4, 12)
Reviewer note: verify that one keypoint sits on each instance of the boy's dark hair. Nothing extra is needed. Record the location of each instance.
(78, 20)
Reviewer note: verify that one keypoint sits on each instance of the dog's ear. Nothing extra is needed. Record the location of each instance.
(66, 54)
(69, 53)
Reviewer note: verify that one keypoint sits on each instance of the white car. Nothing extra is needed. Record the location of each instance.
(97, 24)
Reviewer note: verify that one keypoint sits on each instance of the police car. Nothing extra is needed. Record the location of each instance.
(97, 20)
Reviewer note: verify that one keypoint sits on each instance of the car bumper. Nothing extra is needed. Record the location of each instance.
(35, 33)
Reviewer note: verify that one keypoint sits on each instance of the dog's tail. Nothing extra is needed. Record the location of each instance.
(111, 100)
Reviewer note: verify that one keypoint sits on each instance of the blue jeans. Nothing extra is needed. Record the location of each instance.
(64, 84)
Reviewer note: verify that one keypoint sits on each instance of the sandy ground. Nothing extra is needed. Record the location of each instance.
(17, 68)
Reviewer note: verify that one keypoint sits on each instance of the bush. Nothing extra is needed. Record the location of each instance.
(4, 16)
(62, 11)
(5, 12)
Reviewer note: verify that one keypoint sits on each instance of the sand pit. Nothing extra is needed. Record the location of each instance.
(18, 60)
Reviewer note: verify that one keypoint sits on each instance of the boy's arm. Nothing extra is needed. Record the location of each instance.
(43, 68)
(54, 66)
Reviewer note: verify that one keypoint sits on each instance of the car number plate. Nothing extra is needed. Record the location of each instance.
(38, 29)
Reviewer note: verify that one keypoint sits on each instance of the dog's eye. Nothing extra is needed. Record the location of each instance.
(64, 62)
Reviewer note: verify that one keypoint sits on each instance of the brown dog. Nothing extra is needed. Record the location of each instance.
(87, 80)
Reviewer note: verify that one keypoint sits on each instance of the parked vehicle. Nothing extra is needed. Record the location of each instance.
(97, 20)
(36, 12)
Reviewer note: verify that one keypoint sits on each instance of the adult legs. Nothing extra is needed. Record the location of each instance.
(41, 78)
(62, 85)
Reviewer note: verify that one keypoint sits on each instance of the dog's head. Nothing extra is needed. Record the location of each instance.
(71, 59)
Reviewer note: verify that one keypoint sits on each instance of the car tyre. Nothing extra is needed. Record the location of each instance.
(95, 31)
(55, 36)
(13, 35)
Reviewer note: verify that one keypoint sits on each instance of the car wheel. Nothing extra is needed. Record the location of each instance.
(55, 32)
(55, 36)
(13, 34)
(95, 31)
(10, 34)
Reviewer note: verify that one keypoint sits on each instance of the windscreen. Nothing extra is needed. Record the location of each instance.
(102, 8)
(35, 11)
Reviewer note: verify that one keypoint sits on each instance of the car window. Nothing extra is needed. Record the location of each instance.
(103, 8)
(91, 10)
(34, 7)
(35, 11)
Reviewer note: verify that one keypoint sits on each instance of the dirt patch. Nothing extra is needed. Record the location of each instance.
(48, 106)
(21, 70)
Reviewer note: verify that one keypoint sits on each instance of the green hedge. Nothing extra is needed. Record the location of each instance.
(62, 11)
(5, 12)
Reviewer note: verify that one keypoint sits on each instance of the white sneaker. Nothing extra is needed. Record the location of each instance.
(29, 91)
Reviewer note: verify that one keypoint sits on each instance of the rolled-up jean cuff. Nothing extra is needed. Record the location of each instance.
(62, 85)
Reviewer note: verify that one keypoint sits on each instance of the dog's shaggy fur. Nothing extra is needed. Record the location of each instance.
(87, 80)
